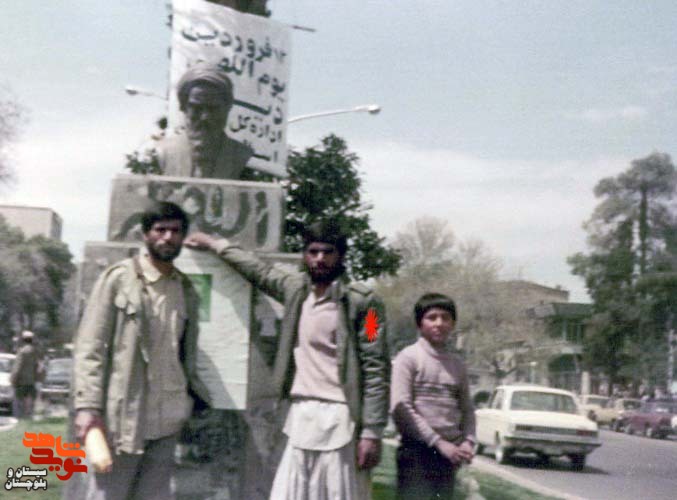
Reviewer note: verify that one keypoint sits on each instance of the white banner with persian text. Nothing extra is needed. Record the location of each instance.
(255, 53)
(225, 312)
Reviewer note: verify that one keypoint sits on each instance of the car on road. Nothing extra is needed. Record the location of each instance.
(624, 407)
(56, 386)
(654, 419)
(535, 419)
(6, 388)
(597, 408)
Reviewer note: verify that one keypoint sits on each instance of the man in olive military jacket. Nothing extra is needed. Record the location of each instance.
(135, 362)
(331, 362)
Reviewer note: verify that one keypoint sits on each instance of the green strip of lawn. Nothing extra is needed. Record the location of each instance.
(14, 454)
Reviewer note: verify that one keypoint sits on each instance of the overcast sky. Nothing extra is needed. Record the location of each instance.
(499, 116)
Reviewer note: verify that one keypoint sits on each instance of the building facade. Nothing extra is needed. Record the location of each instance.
(33, 221)
(546, 345)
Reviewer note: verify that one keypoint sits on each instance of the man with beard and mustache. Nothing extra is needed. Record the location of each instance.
(205, 95)
(331, 362)
(135, 362)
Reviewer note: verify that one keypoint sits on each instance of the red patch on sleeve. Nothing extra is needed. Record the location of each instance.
(371, 325)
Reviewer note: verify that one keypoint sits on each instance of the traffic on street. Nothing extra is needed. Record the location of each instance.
(623, 468)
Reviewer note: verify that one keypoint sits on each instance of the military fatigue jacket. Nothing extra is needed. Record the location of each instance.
(363, 362)
(111, 353)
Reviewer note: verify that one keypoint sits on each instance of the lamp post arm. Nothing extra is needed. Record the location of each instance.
(370, 108)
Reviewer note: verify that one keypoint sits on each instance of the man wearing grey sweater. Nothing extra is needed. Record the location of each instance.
(431, 405)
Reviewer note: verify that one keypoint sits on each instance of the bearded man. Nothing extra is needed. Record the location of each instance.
(331, 362)
(135, 362)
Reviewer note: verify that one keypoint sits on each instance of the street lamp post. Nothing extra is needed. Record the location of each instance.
(532, 371)
(372, 109)
(132, 90)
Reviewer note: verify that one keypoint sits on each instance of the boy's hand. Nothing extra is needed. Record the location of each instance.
(455, 454)
(466, 447)
(368, 453)
(199, 241)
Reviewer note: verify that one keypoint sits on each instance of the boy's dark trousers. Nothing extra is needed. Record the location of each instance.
(423, 473)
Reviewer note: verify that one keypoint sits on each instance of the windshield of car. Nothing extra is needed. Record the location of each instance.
(598, 401)
(542, 401)
(5, 365)
(59, 368)
(631, 405)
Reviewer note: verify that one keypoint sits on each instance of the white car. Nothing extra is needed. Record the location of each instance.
(535, 419)
(597, 408)
(6, 389)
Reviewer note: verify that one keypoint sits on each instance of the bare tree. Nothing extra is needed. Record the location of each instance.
(12, 116)
(425, 241)
(489, 319)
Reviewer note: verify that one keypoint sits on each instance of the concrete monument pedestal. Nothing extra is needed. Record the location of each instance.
(232, 450)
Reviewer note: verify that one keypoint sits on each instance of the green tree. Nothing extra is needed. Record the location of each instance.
(630, 236)
(323, 181)
(33, 274)
(145, 161)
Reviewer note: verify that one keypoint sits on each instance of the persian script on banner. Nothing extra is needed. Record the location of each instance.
(249, 213)
(255, 53)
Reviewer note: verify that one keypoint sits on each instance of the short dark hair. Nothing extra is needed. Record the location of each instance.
(163, 210)
(325, 231)
(430, 300)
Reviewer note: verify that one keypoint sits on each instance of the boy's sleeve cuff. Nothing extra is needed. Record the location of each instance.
(372, 432)
(433, 440)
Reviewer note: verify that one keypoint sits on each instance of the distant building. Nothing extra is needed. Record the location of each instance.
(33, 220)
(534, 294)
(551, 352)
(563, 325)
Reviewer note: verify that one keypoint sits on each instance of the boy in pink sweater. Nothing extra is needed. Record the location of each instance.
(431, 405)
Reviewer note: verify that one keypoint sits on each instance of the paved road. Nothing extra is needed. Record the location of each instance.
(623, 468)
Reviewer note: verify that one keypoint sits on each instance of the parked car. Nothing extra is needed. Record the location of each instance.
(6, 389)
(535, 419)
(597, 408)
(654, 419)
(624, 407)
(57, 383)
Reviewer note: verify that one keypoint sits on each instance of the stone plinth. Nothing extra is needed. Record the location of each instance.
(249, 213)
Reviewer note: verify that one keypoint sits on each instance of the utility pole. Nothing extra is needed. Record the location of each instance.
(257, 7)
(670, 324)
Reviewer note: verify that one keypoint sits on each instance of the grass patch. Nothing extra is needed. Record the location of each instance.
(14, 454)
(384, 480)
(494, 488)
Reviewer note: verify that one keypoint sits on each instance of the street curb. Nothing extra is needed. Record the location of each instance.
(485, 465)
